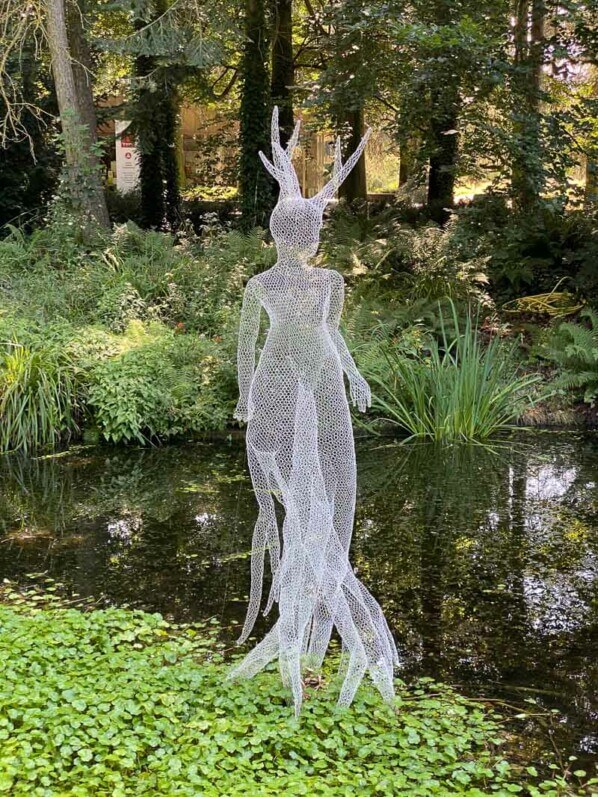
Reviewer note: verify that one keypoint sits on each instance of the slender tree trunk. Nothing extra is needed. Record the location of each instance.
(536, 51)
(82, 65)
(591, 169)
(170, 163)
(156, 127)
(444, 148)
(83, 178)
(405, 162)
(283, 72)
(355, 186)
(257, 190)
(527, 179)
(443, 141)
(151, 184)
(350, 101)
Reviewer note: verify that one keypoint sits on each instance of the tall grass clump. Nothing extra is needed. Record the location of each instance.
(456, 387)
(38, 397)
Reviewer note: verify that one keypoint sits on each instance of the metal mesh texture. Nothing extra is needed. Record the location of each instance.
(301, 452)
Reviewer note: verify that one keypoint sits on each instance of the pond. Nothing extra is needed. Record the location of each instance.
(483, 559)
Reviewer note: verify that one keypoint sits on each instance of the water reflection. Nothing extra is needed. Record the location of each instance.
(484, 560)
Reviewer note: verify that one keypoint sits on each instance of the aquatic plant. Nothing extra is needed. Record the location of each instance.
(119, 702)
(453, 388)
(38, 396)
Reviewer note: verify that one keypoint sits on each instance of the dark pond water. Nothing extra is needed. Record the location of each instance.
(484, 561)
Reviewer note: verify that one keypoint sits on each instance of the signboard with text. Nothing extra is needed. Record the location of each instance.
(127, 158)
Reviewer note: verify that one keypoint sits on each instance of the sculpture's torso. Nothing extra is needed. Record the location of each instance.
(297, 302)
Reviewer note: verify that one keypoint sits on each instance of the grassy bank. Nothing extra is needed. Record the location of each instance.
(117, 703)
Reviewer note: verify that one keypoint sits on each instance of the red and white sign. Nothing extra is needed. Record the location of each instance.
(127, 158)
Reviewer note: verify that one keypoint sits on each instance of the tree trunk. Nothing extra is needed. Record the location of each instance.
(283, 73)
(156, 128)
(151, 185)
(82, 66)
(444, 148)
(355, 186)
(169, 157)
(257, 190)
(591, 170)
(83, 178)
(528, 34)
(443, 143)
(405, 162)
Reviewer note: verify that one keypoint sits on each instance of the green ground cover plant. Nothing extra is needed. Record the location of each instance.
(117, 702)
(573, 349)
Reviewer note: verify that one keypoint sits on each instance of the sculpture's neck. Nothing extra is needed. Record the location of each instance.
(287, 263)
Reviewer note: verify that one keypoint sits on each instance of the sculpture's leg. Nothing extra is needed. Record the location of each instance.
(337, 457)
(265, 535)
(257, 658)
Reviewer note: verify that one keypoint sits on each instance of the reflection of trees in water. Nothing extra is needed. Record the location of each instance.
(452, 536)
(426, 502)
(150, 526)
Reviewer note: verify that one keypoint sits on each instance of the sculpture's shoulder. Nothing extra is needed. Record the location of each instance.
(255, 286)
(327, 276)
(265, 279)
(336, 278)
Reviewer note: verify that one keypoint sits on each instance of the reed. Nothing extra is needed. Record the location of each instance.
(457, 388)
(38, 397)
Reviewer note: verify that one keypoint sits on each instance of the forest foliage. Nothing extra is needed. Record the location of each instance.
(118, 312)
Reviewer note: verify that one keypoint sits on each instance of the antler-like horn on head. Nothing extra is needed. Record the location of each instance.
(340, 171)
(282, 168)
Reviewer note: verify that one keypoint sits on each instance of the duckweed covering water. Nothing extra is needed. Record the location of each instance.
(119, 702)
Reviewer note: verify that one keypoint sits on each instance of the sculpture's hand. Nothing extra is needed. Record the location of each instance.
(241, 412)
(361, 395)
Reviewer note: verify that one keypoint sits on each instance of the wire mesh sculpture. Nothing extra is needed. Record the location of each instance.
(300, 450)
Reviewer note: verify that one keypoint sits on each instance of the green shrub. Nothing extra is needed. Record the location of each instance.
(158, 385)
(382, 254)
(459, 388)
(120, 703)
(531, 253)
(144, 323)
(129, 274)
(573, 348)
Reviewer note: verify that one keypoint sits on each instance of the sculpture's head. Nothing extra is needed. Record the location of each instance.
(296, 222)
(295, 225)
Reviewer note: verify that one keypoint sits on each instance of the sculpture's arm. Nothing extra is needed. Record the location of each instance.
(248, 332)
(359, 389)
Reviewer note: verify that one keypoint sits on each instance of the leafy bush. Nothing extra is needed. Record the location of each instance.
(532, 253)
(573, 348)
(128, 274)
(136, 331)
(457, 388)
(121, 703)
(426, 263)
(159, 385)
(123, 207)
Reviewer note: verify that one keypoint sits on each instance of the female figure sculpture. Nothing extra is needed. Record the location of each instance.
(300, 450)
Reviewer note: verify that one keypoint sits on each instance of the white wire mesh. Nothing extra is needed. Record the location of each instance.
(301, 452)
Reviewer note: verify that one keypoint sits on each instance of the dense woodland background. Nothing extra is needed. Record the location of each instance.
(124, 307)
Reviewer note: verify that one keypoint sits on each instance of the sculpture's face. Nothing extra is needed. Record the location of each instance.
(295, 225)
